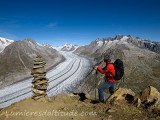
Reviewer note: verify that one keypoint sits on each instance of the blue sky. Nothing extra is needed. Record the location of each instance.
(78, 21)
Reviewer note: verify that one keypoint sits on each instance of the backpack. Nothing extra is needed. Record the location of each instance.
(119, 69)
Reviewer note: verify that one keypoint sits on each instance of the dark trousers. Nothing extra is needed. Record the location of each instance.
(103, 87)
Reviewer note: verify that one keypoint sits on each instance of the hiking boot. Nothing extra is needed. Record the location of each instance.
(102, 101)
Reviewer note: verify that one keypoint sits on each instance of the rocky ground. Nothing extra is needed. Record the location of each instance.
(122, 105)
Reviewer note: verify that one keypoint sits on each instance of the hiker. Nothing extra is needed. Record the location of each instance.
(109, 83)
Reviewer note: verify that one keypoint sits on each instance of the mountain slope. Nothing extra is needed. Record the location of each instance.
(65, 106)
(142, 65)
(17, 60)
(78, 107)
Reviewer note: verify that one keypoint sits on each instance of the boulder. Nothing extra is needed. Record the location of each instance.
(149, 95)
(122, 94)
(150, 98)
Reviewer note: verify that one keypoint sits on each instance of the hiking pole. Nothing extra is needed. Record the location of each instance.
(96, 84)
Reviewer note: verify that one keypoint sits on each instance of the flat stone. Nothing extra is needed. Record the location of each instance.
(40, 75)
(37, 78)
(38, 66)
(38, 59)
(40, 87)
(39, 63)
(36, 97)
(38, 91)
(38, 70)
(38, 82)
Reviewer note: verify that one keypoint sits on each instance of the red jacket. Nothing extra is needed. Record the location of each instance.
(109, 71)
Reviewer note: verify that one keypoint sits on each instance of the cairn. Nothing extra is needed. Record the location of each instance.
(40, 82)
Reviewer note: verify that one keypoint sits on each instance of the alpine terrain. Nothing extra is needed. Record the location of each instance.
(141, 60)
(16, 59)
(65, 70)
(72, 85)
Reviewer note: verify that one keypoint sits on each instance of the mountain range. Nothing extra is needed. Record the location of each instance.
(141, 60)
(17, 59)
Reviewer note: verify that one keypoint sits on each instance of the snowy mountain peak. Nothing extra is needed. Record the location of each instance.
(124, 38)
(67, 47)
(4, 42)
(100, 43)
(104, 41)
(118, 37)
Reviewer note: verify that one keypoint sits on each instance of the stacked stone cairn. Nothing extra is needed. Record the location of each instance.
(40, 82)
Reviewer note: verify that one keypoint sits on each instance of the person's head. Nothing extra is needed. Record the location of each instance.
(107, 58)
